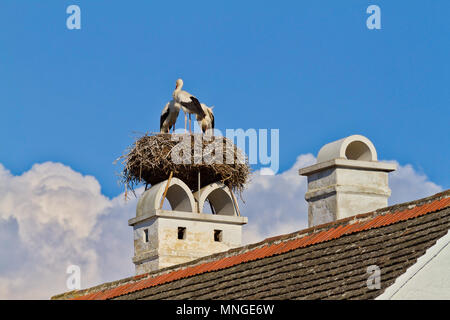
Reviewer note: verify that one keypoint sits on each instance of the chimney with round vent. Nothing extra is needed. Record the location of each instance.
(166, 237)
(347, 180)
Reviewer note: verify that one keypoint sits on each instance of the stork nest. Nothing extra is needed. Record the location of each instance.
(152, 158)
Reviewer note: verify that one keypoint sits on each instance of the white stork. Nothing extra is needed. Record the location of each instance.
(208, 121)
(189, 104)
(169, 116)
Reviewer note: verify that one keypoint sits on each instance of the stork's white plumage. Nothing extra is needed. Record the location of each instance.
(208, 120)
(169, 116)
(188, 102)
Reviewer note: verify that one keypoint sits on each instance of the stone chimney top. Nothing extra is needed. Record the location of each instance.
(347, 180)
(183, 232)
(355, 147)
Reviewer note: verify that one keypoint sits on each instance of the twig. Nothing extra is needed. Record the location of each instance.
(165, 190)
(236, 206)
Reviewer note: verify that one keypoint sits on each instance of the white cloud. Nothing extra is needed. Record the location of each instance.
(52, 217)
(407, 185)
(275, 204)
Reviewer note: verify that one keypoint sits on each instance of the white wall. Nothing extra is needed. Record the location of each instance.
(429, 278)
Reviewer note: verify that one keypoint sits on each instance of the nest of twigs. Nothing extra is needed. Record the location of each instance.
(152, 158)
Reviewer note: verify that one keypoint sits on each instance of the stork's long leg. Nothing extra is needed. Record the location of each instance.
(185, 123)
(190, 131)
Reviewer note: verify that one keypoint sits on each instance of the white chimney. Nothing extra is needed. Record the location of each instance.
(163, 238)
(347, 180)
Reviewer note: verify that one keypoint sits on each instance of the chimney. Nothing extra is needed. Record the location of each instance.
(163, 238)
(347, 180)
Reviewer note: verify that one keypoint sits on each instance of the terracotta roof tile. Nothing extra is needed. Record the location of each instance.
(355, 227)
(226, 263)
(207, 267)
(291, 245)
(386, 220)
(302, 241)
(409, 214)
(322, 236)
(342, 231)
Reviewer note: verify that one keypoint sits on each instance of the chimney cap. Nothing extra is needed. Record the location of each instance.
(356, 147)
(356, 152)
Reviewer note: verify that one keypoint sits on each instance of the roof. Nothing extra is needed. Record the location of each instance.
(324, 262)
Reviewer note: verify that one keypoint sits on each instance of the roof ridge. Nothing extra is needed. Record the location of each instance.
(390, 209)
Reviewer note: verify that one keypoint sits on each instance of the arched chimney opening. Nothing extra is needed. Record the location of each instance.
(358, 150)
(216, 199)
(221, 202)
(178, 198)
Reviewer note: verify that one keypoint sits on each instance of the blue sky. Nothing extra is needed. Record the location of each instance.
(311, 69)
